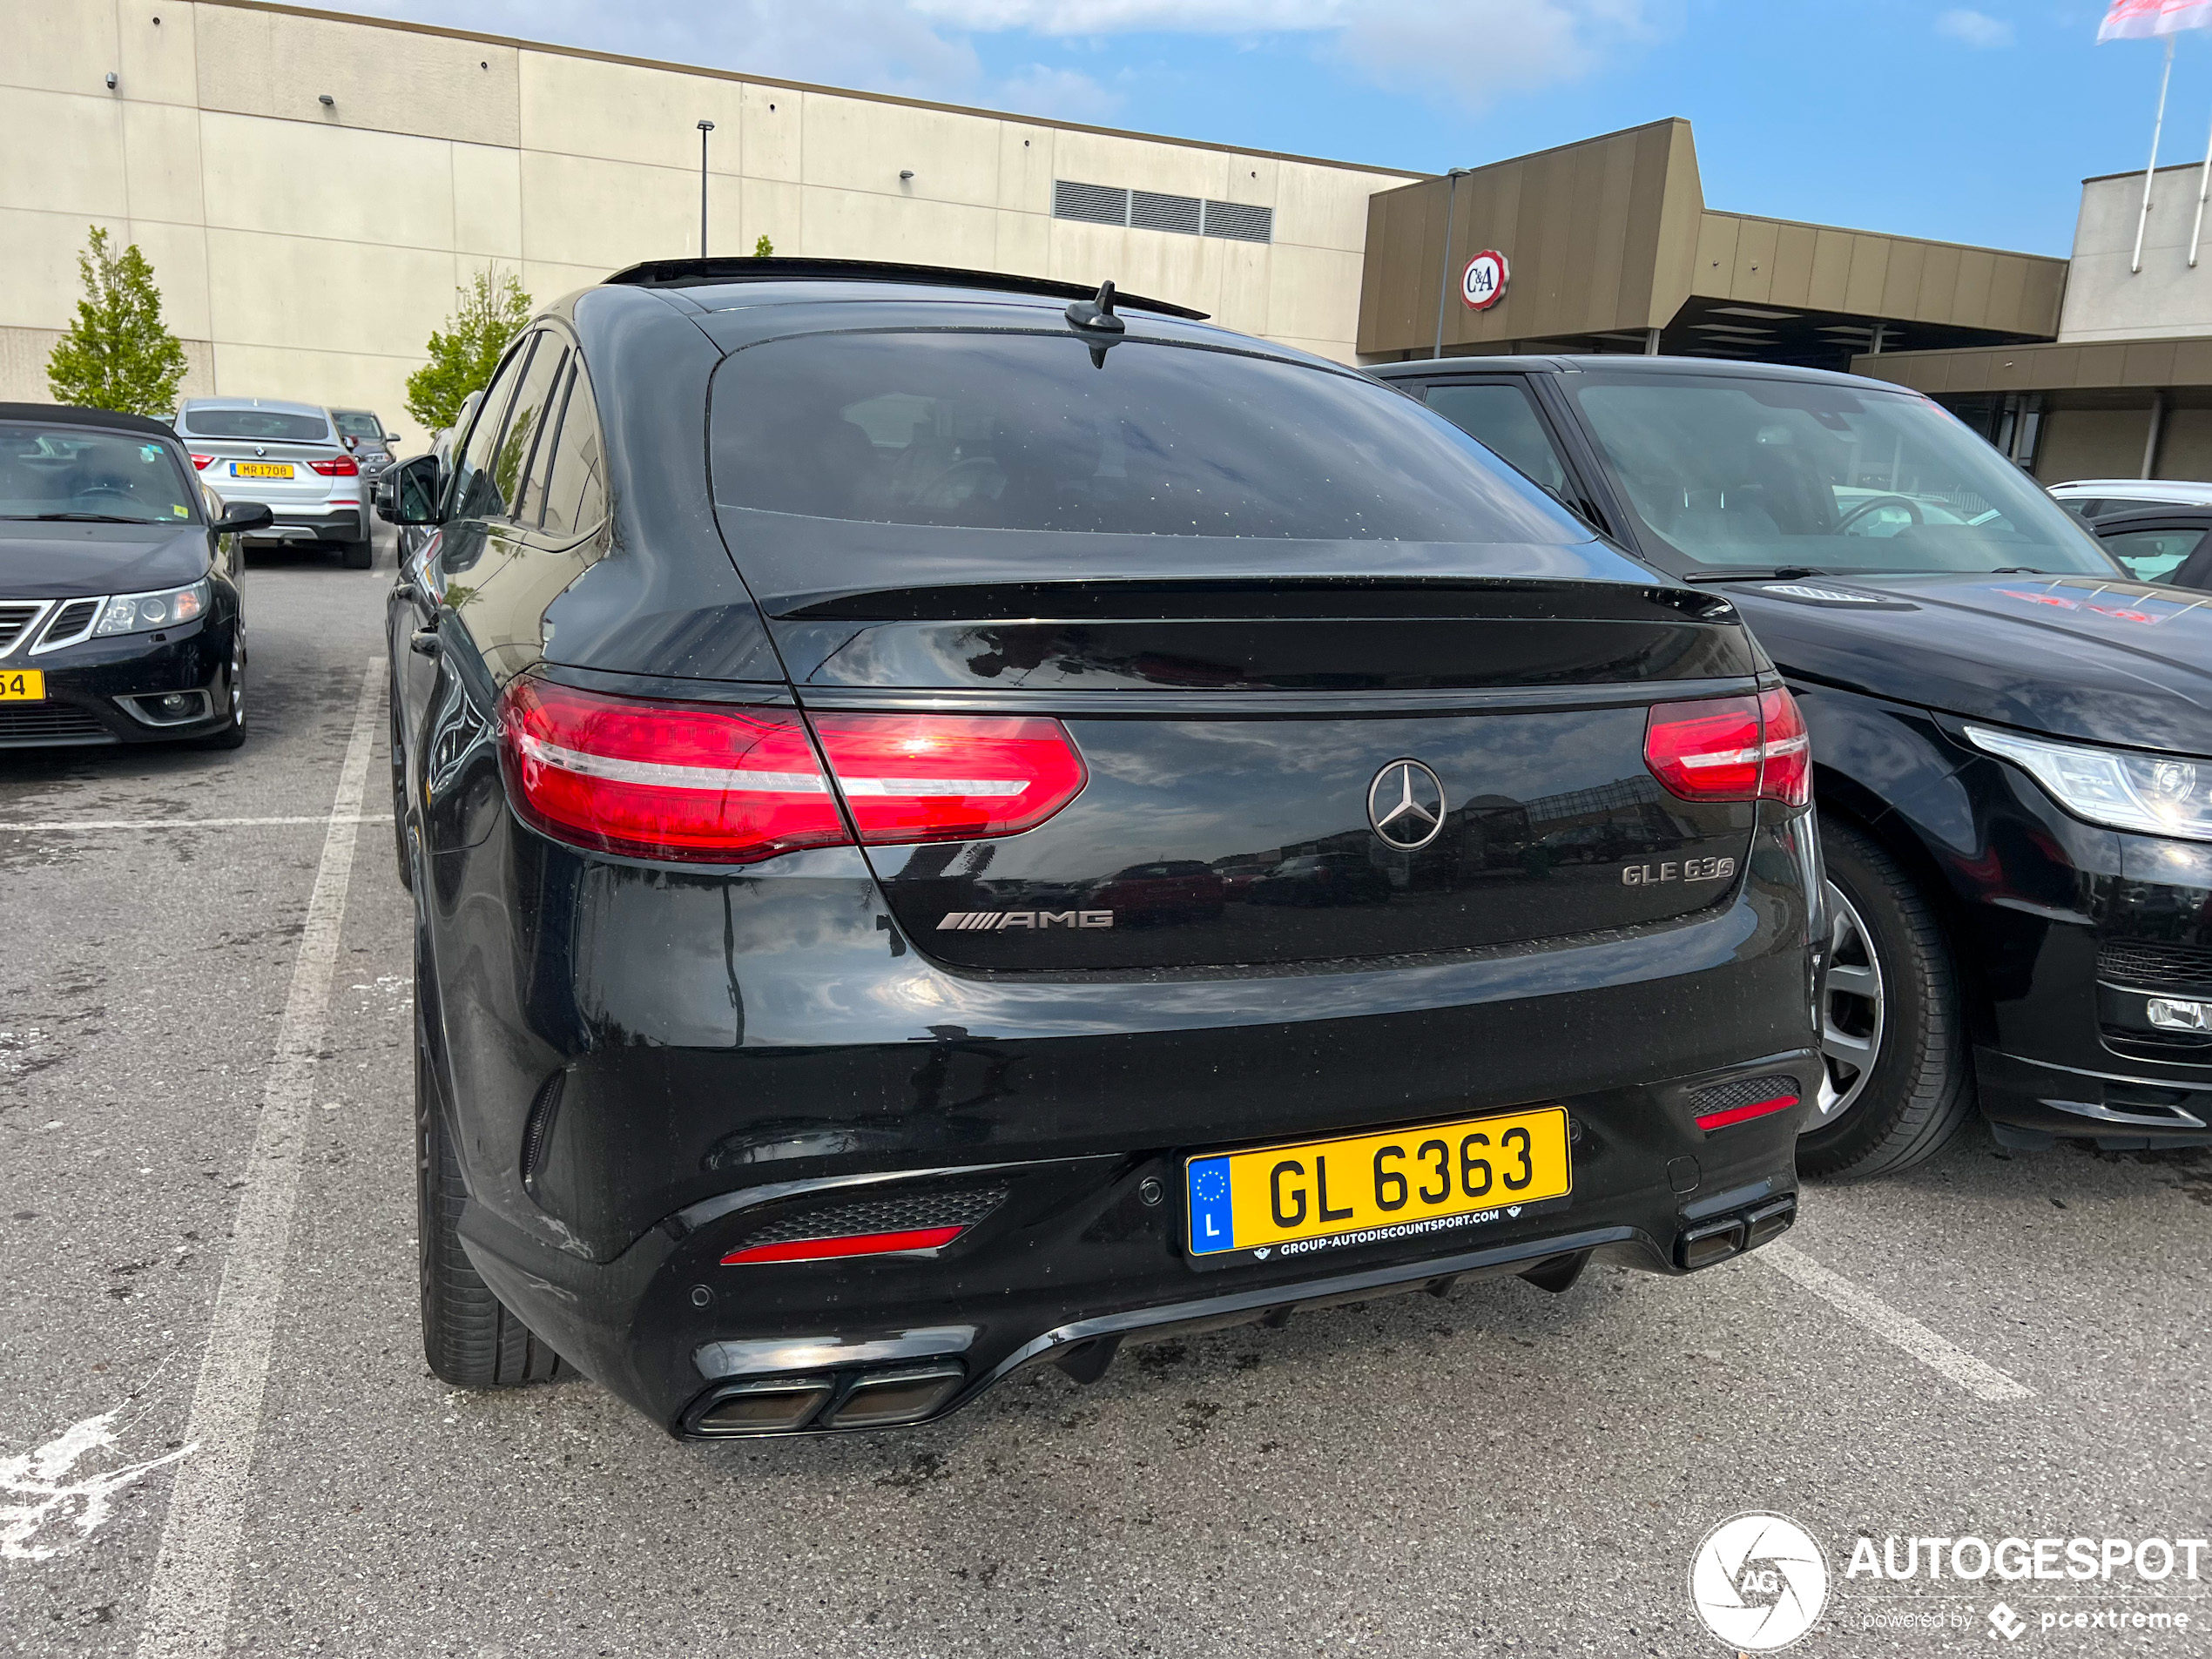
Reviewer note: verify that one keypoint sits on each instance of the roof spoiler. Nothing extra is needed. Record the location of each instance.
(685, 273)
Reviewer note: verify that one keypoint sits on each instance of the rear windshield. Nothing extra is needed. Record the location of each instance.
(73, 472)
(1757, 474)
(256, 423)
(1024, 432)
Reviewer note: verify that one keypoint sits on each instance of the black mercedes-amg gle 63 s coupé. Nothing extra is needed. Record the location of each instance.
(956, 823)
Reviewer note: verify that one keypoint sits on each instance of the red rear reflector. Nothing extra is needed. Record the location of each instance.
(696, 782)
(818, 1249)
(1744, 1114)
(1732, 748)
(337, 467)
(949, 777)
(199, 462)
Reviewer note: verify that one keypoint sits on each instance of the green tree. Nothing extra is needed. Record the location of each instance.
(117, 354)
(764, 249)
(488, 313)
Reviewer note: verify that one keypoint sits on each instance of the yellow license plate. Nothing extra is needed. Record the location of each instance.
(21, 686)
(260, 469)
(1369, 1189)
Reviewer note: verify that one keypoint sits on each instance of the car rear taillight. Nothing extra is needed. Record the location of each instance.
(695, 782)
(337, 467)
(948, 776)
(199, 462)
(1787, 775)
(723, 784)
(1732, 748)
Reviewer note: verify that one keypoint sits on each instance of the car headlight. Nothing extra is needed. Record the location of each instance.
(2162, 794)
(137, 613)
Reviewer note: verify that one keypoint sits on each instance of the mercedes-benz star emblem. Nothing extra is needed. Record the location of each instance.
(1405, 805)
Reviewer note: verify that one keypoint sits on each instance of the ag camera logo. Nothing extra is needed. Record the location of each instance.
(1759, 1582)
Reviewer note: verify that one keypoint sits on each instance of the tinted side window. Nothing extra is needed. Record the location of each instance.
(2153, 555)
(530, 412)
(530, 505)
(1497, 416)
(475, 489)
(575, 491)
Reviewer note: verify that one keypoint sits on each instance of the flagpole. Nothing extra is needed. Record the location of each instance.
(2157, 122)
(2203, 189)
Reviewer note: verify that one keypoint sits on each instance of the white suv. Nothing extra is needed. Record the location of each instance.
(288, 456)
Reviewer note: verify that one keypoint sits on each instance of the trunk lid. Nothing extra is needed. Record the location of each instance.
(1238, 765)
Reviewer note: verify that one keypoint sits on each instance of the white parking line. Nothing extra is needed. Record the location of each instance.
(1977, 1378)
(188, 1602)
(57, 824)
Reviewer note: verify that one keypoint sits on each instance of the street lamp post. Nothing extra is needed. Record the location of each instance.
(1444, 260)
(705, 127)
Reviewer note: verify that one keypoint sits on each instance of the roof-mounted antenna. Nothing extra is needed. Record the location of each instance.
(1096, 322)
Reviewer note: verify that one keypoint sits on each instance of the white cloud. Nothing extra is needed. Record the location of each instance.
(1976, 29)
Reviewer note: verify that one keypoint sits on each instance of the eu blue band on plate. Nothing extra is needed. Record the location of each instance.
(1212, 1225)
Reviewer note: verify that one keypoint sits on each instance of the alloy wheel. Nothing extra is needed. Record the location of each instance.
(1851, 1011)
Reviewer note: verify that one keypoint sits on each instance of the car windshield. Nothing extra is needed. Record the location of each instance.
(1025, 432)
(353, 425)
(1768, 475)
(74, 472)
(265, 424)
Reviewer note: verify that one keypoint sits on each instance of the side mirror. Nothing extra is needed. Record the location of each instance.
(243, 516)
(407, 493)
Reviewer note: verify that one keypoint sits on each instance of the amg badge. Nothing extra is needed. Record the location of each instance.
(976, 921)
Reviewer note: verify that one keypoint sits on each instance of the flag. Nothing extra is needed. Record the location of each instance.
(2141, 19)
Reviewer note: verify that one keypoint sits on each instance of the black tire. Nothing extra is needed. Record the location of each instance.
(468, 1337)
(1917, 1091)
(232, 735)
(357, 556)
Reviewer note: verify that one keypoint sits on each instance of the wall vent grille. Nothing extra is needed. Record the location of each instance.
(1148, 210)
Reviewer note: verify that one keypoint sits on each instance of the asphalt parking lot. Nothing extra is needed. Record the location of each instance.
(1997, 1343)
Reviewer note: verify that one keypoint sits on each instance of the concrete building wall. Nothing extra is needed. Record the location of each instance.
(2091, 443)
(308, 251)
(2105, 299)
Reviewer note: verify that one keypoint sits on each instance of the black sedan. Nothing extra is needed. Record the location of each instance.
(120, 619)
(2012, 747)
(2163, 544)
(807, 653)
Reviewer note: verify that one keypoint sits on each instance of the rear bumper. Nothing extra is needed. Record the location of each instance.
(678, 1334)
(338, 522)
(776, 1042)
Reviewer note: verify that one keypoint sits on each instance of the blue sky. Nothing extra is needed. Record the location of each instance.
(1968, 124)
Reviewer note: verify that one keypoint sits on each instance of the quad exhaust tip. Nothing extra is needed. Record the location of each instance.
(872, 1400)
(1715, 1241)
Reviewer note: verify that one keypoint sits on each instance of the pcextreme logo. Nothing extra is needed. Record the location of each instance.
(1759, 1582)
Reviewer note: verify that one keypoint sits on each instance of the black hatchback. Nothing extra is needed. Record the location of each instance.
(952, 829)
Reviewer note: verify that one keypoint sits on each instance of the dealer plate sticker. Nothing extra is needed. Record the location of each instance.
(1314, 1196)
